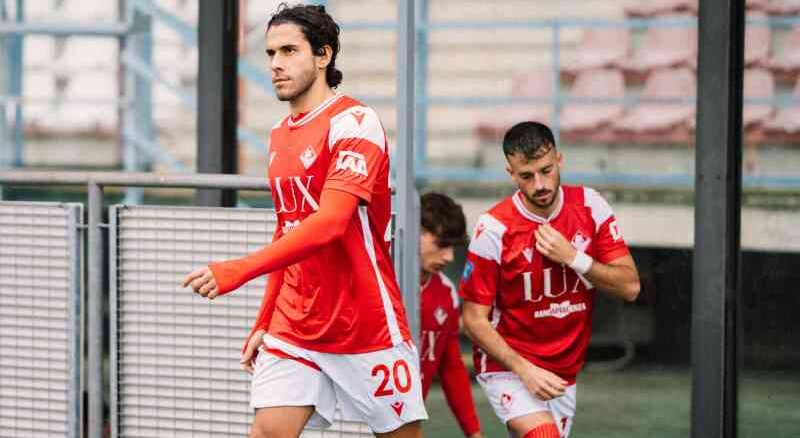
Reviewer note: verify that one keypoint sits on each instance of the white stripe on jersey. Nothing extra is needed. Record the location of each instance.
(488, 238)
(391, 317)
(357, 122)
(453, 293)
(600, 209)
(310, 116)
(495, 321)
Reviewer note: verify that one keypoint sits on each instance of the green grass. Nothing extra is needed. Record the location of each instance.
(648, 402)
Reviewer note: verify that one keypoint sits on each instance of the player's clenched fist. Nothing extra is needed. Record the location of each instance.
(203, 282)
(542, 383)
(553, 245)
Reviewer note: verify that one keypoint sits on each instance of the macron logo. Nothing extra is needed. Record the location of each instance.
(359, 116)
(352, 161)
(398, 408)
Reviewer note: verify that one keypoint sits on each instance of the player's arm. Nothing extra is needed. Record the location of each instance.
(617, 277)
(539, 381)
(457, 387)
(320, 228)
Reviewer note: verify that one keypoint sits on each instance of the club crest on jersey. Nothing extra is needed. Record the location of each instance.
(308, 157)
(580, 242)
(528, 254)
(352, 162)
(358, 115)
(440, 315)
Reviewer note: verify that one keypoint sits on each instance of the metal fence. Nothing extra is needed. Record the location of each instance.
(40, 308)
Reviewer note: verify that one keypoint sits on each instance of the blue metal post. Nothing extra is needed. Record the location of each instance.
(138, 119)
(421, 87)
(555, 51)
(15, 89)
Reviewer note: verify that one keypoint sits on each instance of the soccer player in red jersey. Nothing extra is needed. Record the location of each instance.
(332, 327)
(443, 228)
(532, 268)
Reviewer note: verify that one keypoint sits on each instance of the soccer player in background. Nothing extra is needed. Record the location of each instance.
(443, 227)
(532, 268)
(332, 326)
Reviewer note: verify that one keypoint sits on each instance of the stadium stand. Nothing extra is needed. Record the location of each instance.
(493, 124)
(663, 47)
(599, 48)
(786, 123)
(660, 7)
(585, 122)
(757, 43)
(664, 122)
(786, 63)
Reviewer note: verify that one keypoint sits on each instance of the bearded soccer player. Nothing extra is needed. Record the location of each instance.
(533, 265)
(332, 328)
(443, 227)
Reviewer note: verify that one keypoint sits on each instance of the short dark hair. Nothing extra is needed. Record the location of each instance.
(319, 29)
(531, 139)
(444, 218)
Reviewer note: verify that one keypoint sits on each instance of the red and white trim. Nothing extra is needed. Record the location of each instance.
(314, 113)
(520, 204)
(391, 317)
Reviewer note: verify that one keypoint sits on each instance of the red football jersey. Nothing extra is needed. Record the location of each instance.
(542, 309)
(344, 298)
(441, 353)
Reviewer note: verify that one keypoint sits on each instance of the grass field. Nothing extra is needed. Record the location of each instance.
(648, 402)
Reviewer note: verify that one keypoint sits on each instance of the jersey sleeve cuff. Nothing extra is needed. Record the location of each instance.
(613, 255)
(362, 193)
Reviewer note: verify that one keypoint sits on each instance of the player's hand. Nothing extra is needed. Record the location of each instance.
(203, 282)
(553, 245)
(476, 435)
(542, 383)
(248, 359)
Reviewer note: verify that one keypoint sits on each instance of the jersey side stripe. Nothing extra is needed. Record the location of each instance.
(391, 317)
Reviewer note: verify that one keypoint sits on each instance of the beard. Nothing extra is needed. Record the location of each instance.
(303, 82)
(549, 202)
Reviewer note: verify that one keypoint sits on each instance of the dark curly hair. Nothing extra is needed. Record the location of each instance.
(444, 218)
(530, 139)
(319, 29)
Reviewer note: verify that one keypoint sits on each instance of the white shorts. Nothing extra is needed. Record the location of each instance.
(511, 399)
(380, 388)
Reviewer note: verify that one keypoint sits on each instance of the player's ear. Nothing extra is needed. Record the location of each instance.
(559, 159)
(324, 58)
(509, 169)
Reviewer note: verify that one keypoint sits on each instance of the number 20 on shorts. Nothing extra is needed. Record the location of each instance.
(399, 374)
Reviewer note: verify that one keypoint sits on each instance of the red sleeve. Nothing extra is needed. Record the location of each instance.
(457, 387)
(609, 244)
(482, 269)
(317, 230)
(358, 151)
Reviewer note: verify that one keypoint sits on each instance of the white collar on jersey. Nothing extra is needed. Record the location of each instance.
(517, 199)
(315, 112)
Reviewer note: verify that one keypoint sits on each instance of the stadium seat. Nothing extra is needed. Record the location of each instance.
(757, 5)
(758, 84)
(757, 43)
(652, 121)
(494, 123)
(784, 7)
(663, 47)
(599, 48)
(787, 119)
(39, 52)
(787, 61)
(660, 7)
(596, 84)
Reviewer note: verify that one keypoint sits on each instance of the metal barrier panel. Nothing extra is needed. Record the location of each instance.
(40, 335)
(174, 360)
